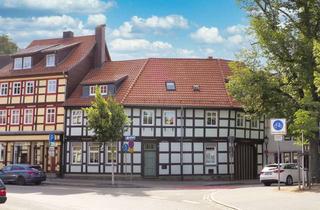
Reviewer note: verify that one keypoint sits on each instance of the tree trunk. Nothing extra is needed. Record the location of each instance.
(314, 159)
(112, 168)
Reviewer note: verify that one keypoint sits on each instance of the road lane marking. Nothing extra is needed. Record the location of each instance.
(158, 197)
(193, 202)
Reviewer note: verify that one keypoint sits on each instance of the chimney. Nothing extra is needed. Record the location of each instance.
(210, 57)
(100, 54)
(67, 34)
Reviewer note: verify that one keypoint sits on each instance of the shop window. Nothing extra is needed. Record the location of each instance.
(169, 118)
(52, 86)
(29, 87)
(94, 153)
(287, 157)
(211, 118)
(16, 88)
(109, 156)
(3, 89)
(15, 117)
(240, 119)
(28, 116)
(211, 154)
(76, 117)
(147, 117)
(76, 153)
(51, 115)
(3, 117)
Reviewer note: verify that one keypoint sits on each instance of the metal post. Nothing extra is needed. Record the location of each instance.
(302, 160)
(131, 157)
(181, 143)
(125, 163)
(278, 165)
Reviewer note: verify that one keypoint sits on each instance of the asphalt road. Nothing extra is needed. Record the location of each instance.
(53, 197)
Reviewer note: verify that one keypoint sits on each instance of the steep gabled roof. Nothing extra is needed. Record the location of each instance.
(145, 85)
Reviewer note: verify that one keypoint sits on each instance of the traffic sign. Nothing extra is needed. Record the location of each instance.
(278, 137)
(128, 138)
(51, 139)
(131, 144)
(278, 126)
(131, 150)
(125, 147)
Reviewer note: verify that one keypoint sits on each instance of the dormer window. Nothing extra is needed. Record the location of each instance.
(50, 60)
(103, 90)
(170, 86)
(22, 63)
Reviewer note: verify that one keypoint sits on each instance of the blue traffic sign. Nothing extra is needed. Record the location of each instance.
(51, 137)
(278, 125)
(125, 147)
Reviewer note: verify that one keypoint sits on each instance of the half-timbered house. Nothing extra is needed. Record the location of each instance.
(182, 118)
(33, 88)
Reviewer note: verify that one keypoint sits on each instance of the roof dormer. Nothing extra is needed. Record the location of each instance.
(22, 63)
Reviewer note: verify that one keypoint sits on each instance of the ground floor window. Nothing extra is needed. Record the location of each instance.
(211, 154)
(2, 152)
(109, 156)
(76, 153)
(94, 149)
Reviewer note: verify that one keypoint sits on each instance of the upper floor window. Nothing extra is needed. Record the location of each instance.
(15, 116)
(170, 85)
(4, 89)
(240, 120)
(22, 63)
(28, 116)
(51, 115)
(103, 90)
(169, 118)
(3, 117)
(76, 117)
(29, 87)
(50, 60)
(52, 86)
(211, 118)
(254, 123)
(147, 117)
(16, 88)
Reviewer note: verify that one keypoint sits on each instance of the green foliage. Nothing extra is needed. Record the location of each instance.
(7, 46)
(106, 118)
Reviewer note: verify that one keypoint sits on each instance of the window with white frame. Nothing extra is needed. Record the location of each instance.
(211, 118)
(2, 152)
(92, 90)
(240, 120)
(51, 115)
(52, 86)
(16, 88)
(28, 116)
(15, 116)
(29, 87)
(94, 153)
(104, 89)
(3, 117)
(4, 89)
(17, 63)
(27, 62)
(50, 60)
(76, 117)
(147, 117)
(76, 153)
(254, 123)
(109, 156)
(169, 118)
(211, 154)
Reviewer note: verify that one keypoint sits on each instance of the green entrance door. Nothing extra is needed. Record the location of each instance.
(150, 160)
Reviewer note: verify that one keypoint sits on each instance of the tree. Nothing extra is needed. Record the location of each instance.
(108, 120)
(280, 75)
(7, 46)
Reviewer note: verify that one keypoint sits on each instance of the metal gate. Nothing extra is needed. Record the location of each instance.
(245, 161)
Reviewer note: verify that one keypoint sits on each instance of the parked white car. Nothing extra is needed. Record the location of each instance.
(289, 174)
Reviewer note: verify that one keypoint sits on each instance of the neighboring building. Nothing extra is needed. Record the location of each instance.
(33, 88)
(181, 115)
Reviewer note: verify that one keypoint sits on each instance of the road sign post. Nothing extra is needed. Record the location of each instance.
(125, 148)
(131, 140)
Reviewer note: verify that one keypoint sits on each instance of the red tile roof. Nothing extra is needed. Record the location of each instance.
(145, 85)
(86, 44)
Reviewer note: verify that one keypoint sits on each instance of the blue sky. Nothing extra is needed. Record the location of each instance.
(135, 28)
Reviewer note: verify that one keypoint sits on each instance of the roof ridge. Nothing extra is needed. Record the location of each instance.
(223, 77)
(135, 80)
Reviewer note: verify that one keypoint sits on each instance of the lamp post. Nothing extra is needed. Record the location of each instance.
(266, 141)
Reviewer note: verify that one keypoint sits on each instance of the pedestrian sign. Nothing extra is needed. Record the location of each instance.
(278, 126)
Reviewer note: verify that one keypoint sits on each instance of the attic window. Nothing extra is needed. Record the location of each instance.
(170, 86)
(50, 60)
(196, 87)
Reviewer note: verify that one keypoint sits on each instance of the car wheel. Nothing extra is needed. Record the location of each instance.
(20, 180)
(267, 184)
(37, 183)
(289, 180)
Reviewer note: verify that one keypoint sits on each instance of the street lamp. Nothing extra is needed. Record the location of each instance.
(266, 141)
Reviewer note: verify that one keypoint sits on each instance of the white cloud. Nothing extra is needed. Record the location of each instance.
(207, 35)
(97, 19)
(125, 30)
(60, 6)
(236, 29)
(138, 44)
(235, 39)
(185, 53)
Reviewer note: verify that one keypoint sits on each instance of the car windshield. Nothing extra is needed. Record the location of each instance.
(36, 167)
(273, 166)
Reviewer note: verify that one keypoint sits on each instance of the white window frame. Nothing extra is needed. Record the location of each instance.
(152, 117)
(28, 118)
(15, 65)
(213, 148)
(14, 116)
(211, 119)
(109, 152)
(97, 152)
(3, 117)
(76, 115)
(4, 89)
(164, 117)
(52, 86)
(24, 66)
(14, 88)
(50, 60)
(105, 89)
(254, 123)
(92, 90)
(29, 84)
(76, 155)
(170, 86)
(49, 114)
(240, 120)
